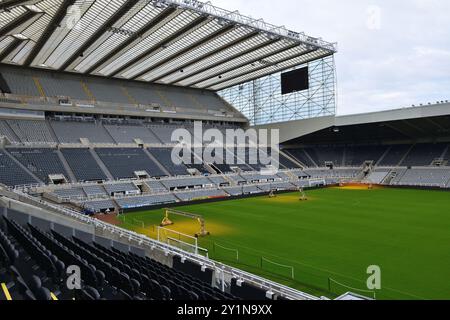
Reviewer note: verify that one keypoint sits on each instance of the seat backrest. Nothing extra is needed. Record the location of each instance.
(91, 293)
(42, 294)
(4, 259)
(35, 283)
(167, 292)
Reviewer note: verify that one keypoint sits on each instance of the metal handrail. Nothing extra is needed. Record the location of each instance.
(143, 240)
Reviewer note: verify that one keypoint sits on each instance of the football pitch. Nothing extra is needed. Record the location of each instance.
(325, 245)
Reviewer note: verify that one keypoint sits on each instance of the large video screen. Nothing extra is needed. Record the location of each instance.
(294, 81)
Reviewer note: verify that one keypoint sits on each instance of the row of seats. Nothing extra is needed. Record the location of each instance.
(164, 156)
(377, 176)
(184, 183)
(41, 162)
(146, 201)
(423, 177)
(34, 131)
(71, 132)
(34, 165)
(202, 193)
(200, 188)
(40, 131)
(95, 206)
(355, 156)
(129, 133)
(123, 163)
(36, 270)
(12, 174)
(35, 83)
(327, 173)
(83, 165)
(161, 186)
(26, 131)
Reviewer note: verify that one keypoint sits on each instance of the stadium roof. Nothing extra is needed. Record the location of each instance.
(430, 122)
(178, 42)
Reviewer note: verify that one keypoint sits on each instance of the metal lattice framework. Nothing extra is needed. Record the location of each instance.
(179, 42)
(261, 100)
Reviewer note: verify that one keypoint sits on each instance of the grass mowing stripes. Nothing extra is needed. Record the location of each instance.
(337, 235)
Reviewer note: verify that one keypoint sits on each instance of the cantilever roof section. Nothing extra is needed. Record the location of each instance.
(178, 42)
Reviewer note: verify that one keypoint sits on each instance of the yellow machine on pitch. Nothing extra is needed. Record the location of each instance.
(167, 222)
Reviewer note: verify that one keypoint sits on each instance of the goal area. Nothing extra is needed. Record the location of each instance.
(180, 240)
(167, 220)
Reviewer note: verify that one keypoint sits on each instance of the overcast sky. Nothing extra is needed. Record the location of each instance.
(392, 54)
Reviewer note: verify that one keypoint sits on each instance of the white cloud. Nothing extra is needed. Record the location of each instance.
(404, 61)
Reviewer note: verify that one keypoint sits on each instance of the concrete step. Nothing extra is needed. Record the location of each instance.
(66, 166)
(101, 164)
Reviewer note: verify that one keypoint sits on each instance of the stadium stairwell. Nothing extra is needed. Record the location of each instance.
(66, 166)
(155, 135)
(52, 131)
(156, 161)
(383, 156)
(405, 155)
(10, 131)
(310, 158)
(101, 164)
(18, 163)
(291, 158)
(344, 158)
(445, 153)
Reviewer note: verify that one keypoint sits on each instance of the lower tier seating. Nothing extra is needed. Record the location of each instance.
(164, 156)
(36, 261)
(424, 177)
(145, 201)
(83, 165)
(424, 154)
(11, 174)
(200, 194)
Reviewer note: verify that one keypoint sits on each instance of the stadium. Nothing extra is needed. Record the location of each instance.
(174, 150)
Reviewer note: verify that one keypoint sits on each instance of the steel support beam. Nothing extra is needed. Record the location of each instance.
(218, 63)
(246, 64)
(186, 50)
(10, 48)
(51, 27)
(101, 31)
(187, 29)
(209, 54)
(17, 22)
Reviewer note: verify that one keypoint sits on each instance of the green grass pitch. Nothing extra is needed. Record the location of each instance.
(330, 240)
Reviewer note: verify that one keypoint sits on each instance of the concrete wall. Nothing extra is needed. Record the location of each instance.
(294, 129)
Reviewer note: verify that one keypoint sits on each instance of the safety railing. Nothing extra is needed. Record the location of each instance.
(222, 271)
